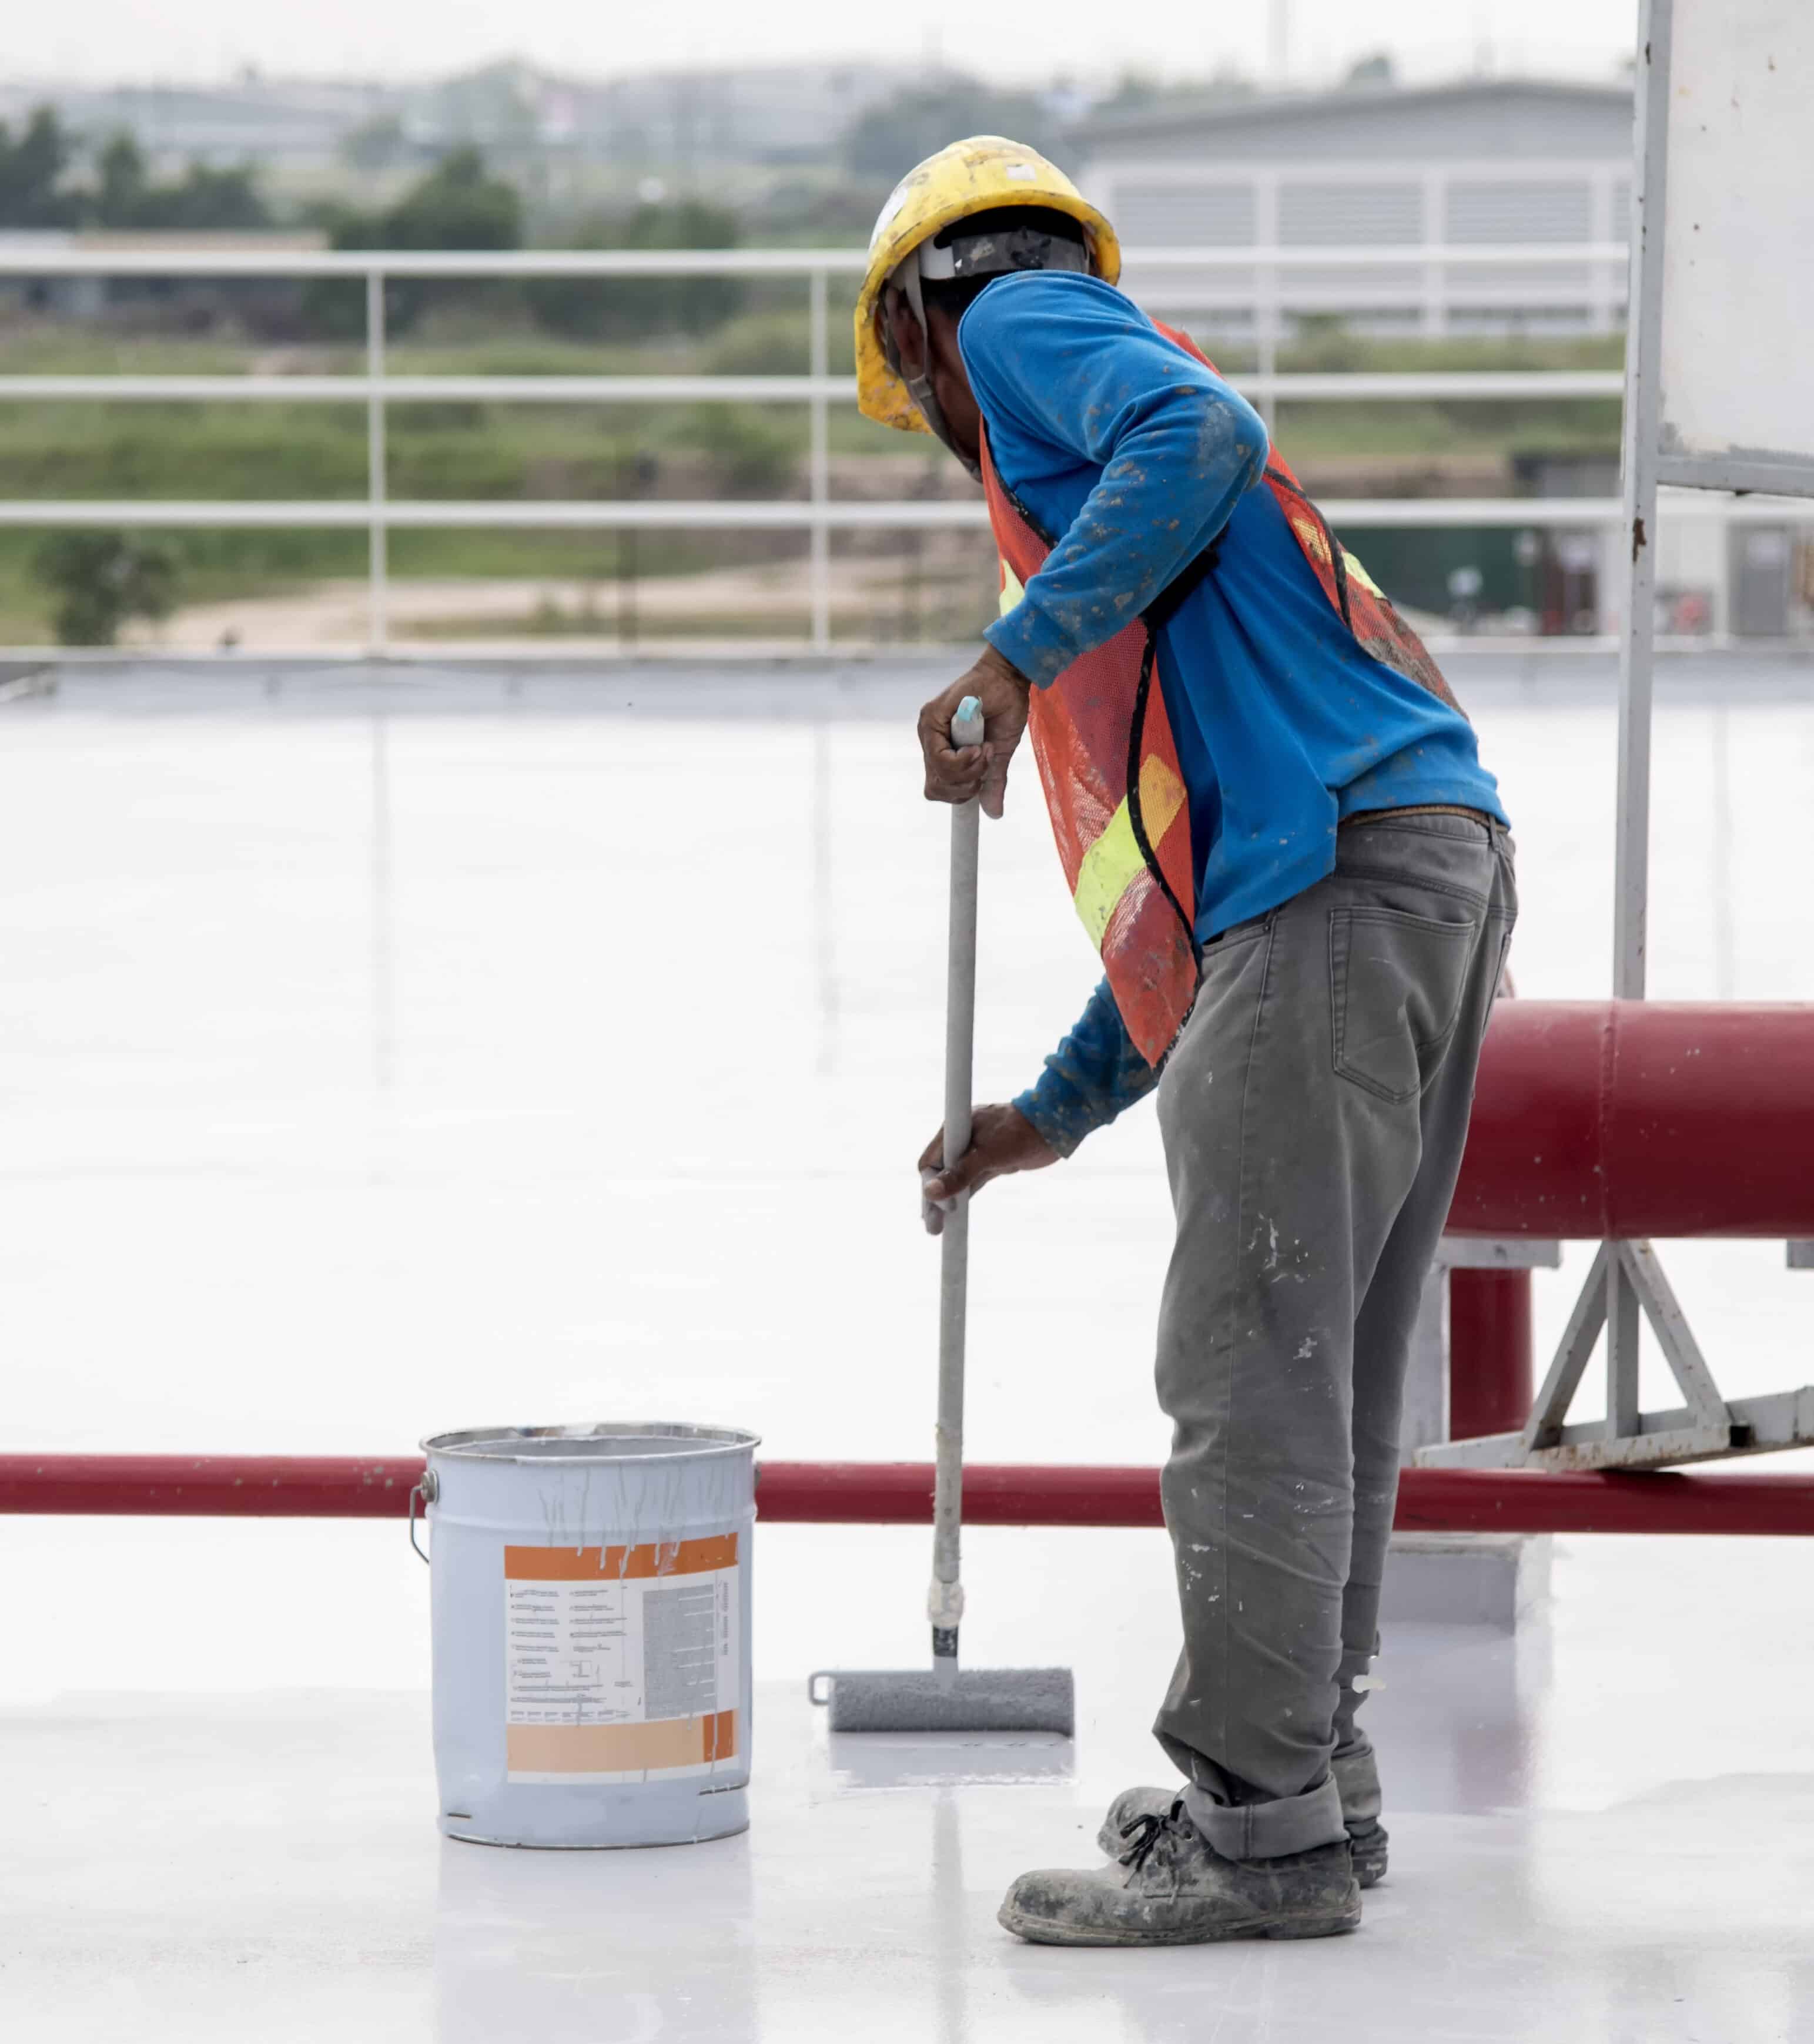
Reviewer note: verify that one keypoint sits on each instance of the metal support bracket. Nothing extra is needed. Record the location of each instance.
(1626, 1286)
(1475, 1252)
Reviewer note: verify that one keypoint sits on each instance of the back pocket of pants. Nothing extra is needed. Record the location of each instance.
(1396, 983)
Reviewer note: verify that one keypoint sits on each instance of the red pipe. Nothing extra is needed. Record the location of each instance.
(1429, 1501)
(994, 1494)
(1581, 1501)
(900, 1493)
(1641, 1118)
(1491, 1352)
(211, 1486)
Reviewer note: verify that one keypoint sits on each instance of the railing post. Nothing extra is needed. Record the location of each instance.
(819, 480)
(1491, 1368)
(377, 630)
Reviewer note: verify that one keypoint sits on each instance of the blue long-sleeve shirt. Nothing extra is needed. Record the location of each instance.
(1138, 457)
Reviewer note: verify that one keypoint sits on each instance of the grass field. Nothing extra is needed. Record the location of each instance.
(445, 450)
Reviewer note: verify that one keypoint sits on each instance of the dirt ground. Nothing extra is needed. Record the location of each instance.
(874, 600)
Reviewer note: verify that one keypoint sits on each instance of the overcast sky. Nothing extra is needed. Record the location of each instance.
(126, 40)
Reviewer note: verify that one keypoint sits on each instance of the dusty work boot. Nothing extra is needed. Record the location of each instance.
(1169, 1886)
(1366, 1835)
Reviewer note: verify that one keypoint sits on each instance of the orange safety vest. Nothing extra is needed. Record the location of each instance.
(1109, 763)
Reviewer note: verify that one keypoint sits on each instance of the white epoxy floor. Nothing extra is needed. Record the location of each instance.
(1594, 1842)
(382, 1058)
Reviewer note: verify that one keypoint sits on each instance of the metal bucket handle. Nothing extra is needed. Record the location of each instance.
(426, 1491)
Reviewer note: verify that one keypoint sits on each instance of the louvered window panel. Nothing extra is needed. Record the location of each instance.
(1621, 211)
(1321, 216)
(1508, 209)
(1185, 215)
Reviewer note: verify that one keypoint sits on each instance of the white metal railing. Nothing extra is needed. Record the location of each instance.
(818, 514)
(1348, 385)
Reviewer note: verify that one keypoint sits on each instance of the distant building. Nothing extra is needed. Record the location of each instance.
(775, 115)
(280, 125)
(677, 123)
(1483, 163)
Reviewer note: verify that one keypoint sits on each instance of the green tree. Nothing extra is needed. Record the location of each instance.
(457, 205)
(99, 579)
(1135, 92)
(32, 171)
(120, 196)
(202, 201)
(376, 145)
(1377, 69)
(207, 201)
(619, 308)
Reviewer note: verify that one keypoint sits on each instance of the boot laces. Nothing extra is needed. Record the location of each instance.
(1145, 1832)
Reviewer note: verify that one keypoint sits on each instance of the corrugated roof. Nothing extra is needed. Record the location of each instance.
(1217, 113)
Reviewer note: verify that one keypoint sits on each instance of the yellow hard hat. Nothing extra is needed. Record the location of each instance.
(974, 176)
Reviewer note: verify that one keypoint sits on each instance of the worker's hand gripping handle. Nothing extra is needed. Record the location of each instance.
(945, 1601)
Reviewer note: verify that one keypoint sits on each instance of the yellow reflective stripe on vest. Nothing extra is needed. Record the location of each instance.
(1114, 860)
(1011, 589)
(1312, 542)
(1310, 538)
(1357, 573)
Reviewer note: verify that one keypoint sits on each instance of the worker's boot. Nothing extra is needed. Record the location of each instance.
(1170, 1886)
(1357, 1783)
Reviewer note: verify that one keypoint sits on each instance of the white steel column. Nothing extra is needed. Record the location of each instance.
(1637, 642)
(378, 628)
(819, 563)
(1638, 532)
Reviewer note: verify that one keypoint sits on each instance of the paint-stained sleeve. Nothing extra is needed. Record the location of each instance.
(1080, 367)
(1089, 1079)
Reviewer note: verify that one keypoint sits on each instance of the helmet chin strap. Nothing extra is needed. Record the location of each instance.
(920, 387)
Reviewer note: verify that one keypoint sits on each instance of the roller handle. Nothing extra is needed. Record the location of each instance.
(960, 968)
(944, 1603)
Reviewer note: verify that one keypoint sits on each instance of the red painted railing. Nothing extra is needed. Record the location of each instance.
(1591, 1118)
(900, 1493)
(1641, 1118)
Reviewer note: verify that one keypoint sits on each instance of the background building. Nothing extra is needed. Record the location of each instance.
(303, 134)
(1486, 162)
(1482, 163)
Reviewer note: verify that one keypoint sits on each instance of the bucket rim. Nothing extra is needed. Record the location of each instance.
(489, 1444)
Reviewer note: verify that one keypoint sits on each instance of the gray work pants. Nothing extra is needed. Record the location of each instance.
(1314, 1112)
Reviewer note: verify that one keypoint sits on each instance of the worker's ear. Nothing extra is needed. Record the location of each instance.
(908, 336)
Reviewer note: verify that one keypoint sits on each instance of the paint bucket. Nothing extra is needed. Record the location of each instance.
(590, 1588)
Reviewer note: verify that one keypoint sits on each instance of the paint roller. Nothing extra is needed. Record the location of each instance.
(944, 1697)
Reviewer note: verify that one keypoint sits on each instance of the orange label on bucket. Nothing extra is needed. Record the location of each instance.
(655, 1558)
(621, 1662)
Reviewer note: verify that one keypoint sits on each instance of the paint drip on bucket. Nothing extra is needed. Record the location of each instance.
(591, 1601)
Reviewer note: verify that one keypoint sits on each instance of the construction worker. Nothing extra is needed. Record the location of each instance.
(1274, 822)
